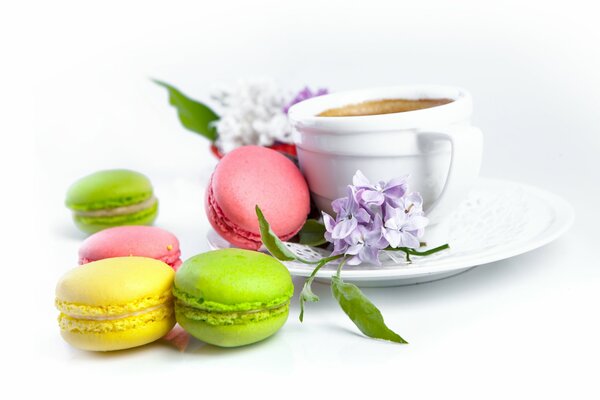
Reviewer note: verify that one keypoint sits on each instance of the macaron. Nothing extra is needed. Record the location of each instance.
(232, 297)
(123, 241)
(116, 303)
(112, 198)
(250, 176)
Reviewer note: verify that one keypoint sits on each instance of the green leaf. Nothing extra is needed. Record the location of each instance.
(361, 311)
(271, 241)
(306, 295)
(312, 233)
(193, 115)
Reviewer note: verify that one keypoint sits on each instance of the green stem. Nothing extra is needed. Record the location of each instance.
(339, 268)
(418, 253)
(307, 294)
(322, 263)
(428, 252)
(412, 252)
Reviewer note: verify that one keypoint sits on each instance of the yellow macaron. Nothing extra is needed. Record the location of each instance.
(116, 303)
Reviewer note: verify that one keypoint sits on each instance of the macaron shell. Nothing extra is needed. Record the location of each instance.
(226, 229)
(232, 335)
(233, 279)
(115, 281)
(254, 175)
(108, 189)
(144, 241)
(109, 341)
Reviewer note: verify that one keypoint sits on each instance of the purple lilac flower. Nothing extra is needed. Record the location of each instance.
(304, 94)
(365, 243)
(383, 192)
(348, 215)
(403, 226)
(374, 216)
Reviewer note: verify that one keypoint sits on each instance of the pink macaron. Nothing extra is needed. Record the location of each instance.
(250, 176)
(122, 241)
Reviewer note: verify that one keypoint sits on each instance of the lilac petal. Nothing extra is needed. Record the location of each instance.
(354, 249)
(354, 237)
(400, 181)
(417, 233)
(395, 193)
(353, 200)
(339, 206)
(390, 212)
(409, 241)
(396, 220)
(362, 216)
(360, 180)
(339, 247)
(344, 228)
(328, 221)
(377, 222)
(373, 236)
(382, 243)
(393, 237)
(372, 196)
(392, 224)
(416, 222)
(353, 261)
(416, 200)
(373, 233)
(370, 255)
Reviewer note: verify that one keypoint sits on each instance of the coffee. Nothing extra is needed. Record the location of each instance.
(383, 106)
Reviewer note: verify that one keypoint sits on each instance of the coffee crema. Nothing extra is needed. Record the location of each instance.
(383, 106)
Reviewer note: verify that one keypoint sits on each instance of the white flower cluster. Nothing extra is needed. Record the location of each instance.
(251, 113)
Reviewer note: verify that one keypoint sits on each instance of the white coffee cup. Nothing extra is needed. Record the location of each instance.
(437, 147)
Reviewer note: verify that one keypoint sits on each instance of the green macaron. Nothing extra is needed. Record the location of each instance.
(112, 198)
(232, 297)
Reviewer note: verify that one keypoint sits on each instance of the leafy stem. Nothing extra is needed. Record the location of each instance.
(307, 293)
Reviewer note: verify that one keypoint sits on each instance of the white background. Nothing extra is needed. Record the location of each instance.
(76, 77)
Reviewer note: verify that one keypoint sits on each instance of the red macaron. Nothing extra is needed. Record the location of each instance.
(123, 241)
(249, 176)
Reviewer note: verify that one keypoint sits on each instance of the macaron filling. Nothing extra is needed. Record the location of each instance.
(79, 323)
(113, 311)
(116, 211)
(230, 317)
(143, 217)
(182, 298)
(217, 216)
(112, 317)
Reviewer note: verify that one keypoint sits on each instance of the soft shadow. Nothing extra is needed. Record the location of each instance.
(328, 327)
(206, 349)
(105, 355)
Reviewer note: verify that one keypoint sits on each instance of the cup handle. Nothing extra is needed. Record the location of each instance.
(467, 143)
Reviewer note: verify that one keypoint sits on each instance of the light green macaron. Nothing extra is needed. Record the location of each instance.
(112, 198)
(232, 297)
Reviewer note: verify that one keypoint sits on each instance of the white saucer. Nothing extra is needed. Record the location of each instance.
(500, 219)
